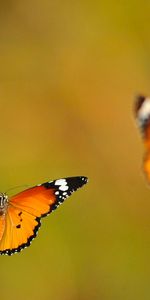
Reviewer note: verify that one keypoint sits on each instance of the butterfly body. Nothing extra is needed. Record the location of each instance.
(3, 203)
(20, 215)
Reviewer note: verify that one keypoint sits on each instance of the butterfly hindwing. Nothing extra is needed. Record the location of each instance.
(21, 227)
(25, 210)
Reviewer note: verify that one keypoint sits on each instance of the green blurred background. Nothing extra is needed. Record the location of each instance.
(69, 71)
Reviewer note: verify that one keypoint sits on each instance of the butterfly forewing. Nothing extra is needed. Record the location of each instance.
(36, 201)
(25, 210)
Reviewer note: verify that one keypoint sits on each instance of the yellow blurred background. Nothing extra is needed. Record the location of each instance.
(69, 71)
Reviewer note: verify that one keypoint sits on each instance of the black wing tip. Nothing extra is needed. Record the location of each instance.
(72, 184)
(82, 179)
(76, 182)
(10, 252)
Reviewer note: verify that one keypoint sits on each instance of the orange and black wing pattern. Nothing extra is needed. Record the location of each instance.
(20, 224)
(142, 113)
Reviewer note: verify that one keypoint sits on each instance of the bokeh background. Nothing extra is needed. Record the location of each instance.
(69, 72)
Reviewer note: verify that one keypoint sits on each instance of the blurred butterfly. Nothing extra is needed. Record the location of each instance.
(20, 215)
(142, 111)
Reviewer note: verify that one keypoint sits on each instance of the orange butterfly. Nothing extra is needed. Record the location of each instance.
(20, 215)
(142, 111)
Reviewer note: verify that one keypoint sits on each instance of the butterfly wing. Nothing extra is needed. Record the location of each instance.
(142, 112)
(2, 225)
(20, 228)
(25, 210)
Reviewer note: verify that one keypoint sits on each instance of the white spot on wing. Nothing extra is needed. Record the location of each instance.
(144, 111)
(60, 182)
(63, 188)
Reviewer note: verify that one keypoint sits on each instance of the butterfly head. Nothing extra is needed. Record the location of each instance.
(3, 203)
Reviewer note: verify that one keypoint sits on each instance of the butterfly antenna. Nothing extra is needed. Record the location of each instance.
(17, 187)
